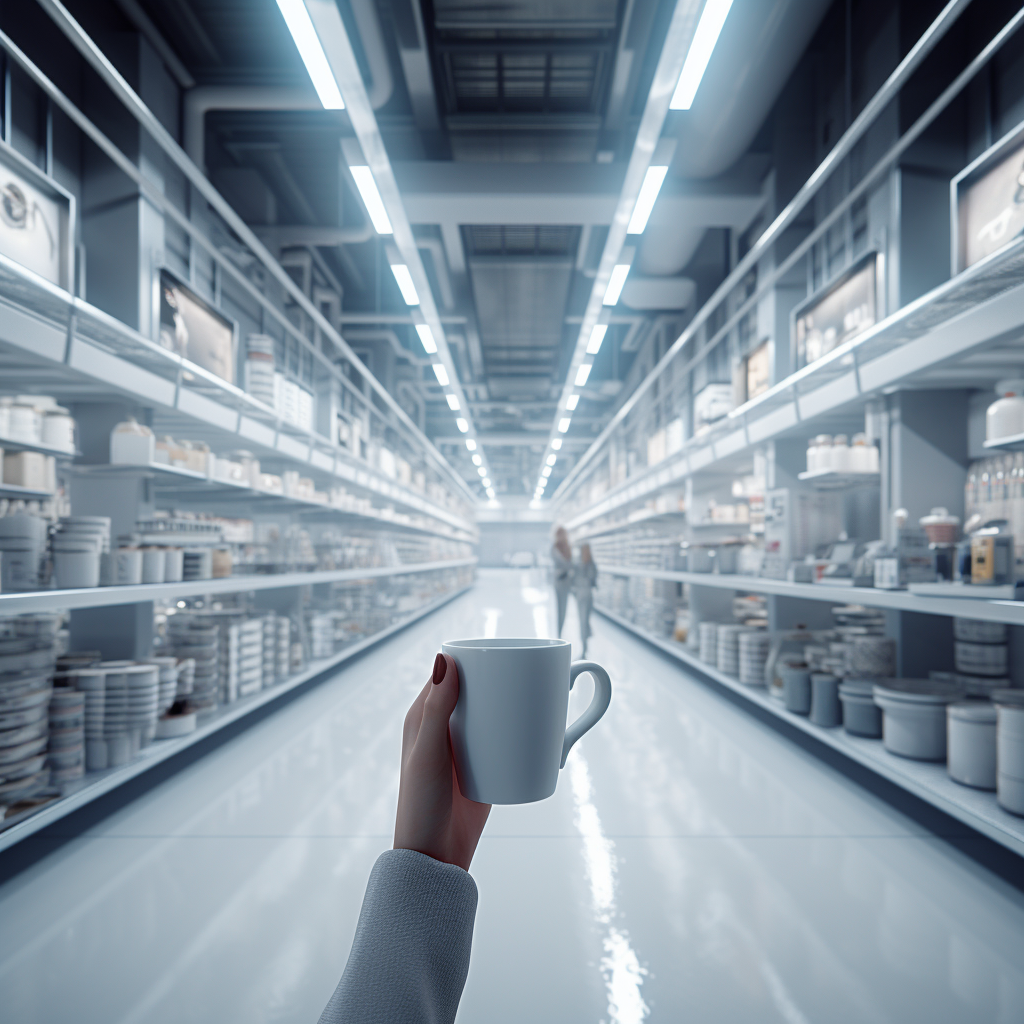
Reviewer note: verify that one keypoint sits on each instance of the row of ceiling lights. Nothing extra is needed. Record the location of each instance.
(303, 32)
(698, 55)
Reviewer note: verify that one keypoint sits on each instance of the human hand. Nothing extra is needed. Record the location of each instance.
(433, 816)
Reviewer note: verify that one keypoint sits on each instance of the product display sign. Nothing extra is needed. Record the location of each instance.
(35, 220)
(846, 307)
(195, 330)
(988, 202)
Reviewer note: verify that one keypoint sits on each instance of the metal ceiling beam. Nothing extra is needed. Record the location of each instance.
(338, 49)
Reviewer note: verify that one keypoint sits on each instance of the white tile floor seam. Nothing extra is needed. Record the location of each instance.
(693, 865)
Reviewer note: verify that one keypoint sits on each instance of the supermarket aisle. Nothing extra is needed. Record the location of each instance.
(692, 866)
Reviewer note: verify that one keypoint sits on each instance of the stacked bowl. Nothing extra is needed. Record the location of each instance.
(728, 660)
(143, 704)
(708, 642)
(116, 733)
(27, 655)
(78, 547)
(1010, 749)
(66, 756)
(198, 645)
(754, 648)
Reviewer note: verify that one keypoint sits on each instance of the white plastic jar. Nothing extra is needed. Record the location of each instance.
(1005, 416)
(840, 461)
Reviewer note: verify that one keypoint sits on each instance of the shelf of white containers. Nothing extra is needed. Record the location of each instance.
(832, 480)
(980, 307)
(55, 330)
(928, 781)
(217, 489)
(991, 604)
(96, 784)
(105, 597)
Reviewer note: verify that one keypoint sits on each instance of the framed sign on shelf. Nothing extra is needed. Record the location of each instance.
(37, 219)
(194, 329)
(845, 307)
(987, 201)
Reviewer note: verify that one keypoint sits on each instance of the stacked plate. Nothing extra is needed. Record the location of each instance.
(24, 731)
(27, 655)
(116, 733)
(981, 655)
(707, 633)
(143, 704)
(754, 648)
(321, 635)
(186, 678)
(66, 757)
(167, 666)
(90, 681)
(259, 368)
(283, 645)
(728, 660)
(198, 644)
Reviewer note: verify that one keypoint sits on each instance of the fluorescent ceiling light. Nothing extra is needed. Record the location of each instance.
(453, 402)
(615, 283)
(596, 337)
(571, 402)
(477, 460)
(300, 25)
(363, 178)
(471, 444)
(487, 484)
(712, 18)
(405, 285)
(462, 425)
(645, 200)
(482, 471)
(490, 493)
(546, 471)
(552, 459)
(583, 373)
(427, 337)
(441, 374)
(563, 424)
(557, 443)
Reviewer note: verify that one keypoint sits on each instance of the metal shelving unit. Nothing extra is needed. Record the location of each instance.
(930, 782)
(97, 784)
(975, 606)
(175, 480)
(106, 597)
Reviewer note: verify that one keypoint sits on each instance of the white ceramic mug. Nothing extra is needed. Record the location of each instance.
(508, 729)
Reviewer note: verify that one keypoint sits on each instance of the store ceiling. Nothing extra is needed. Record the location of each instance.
(508, 125)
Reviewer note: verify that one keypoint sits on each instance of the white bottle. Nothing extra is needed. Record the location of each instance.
(840, 454)
(1005, 416)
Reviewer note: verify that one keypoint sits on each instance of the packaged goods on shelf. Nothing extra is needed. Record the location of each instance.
(994, 490)
(1004, 418)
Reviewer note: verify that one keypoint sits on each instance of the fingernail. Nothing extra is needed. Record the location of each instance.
(440, 667)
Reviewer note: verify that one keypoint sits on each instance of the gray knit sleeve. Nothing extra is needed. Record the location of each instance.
(410, 955)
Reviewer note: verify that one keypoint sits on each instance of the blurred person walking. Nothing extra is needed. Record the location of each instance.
(562, 567)
(584, 580)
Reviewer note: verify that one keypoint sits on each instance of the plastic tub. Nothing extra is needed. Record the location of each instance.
(980, 659)
(979, 632)
(914, 722)
(826, 710)
(861, 715)
(796, 687)
(971, 743)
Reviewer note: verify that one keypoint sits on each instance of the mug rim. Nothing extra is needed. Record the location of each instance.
(507, 643)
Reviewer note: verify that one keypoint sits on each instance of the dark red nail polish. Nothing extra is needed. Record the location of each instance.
(440, 667)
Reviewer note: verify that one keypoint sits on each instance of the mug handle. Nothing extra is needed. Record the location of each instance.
(598, 706)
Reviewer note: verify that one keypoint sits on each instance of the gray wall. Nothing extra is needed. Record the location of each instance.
(500, 540)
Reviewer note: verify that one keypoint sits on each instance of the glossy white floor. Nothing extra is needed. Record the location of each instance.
(693, 865)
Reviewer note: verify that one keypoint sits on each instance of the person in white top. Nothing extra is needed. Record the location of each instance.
(584, 580)
(561, 557)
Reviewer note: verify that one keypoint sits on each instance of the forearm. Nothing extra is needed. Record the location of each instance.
(410, 955)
